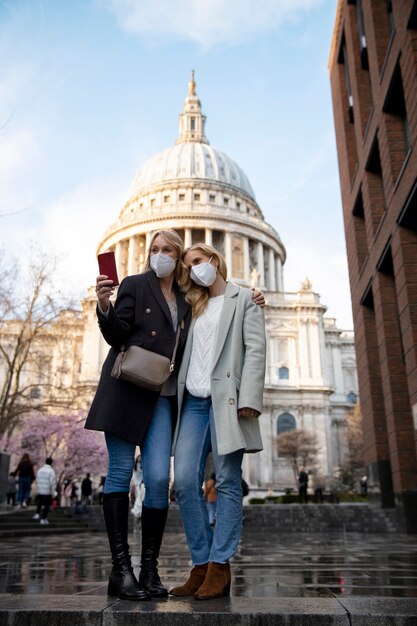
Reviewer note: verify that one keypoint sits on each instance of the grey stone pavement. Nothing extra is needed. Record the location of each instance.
(279, 578)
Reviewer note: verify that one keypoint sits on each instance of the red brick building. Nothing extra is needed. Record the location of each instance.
(373, 69)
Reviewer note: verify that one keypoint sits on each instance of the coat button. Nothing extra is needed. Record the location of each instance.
(148, 311)
(228, 374)
(153, 333)
(231, 400)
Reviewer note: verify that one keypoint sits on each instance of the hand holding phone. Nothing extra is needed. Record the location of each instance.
(107, 266)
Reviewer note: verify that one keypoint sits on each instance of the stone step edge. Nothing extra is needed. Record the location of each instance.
(85, 609)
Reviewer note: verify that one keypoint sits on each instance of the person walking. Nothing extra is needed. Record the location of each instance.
(302, 485)
(220, 394)
(210, 496)
(11, 489)
(86, 490)
(46, 481)
(26, 476)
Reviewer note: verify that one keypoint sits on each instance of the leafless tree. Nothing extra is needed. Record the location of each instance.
(354, 459)
(300, 448)
(29, 307)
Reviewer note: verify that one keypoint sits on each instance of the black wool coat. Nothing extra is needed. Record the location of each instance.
(140, 317)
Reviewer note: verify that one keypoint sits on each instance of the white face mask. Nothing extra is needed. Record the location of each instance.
(204, 274)
(162, 264)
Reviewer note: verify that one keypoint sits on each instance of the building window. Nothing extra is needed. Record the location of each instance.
(166, 198)
(181, 197)
(352, 397)
(225, 201)
(152, 201)
(283, 373)
(192, 123)
(377, 198)
(35, 393)
(362, 37)
(361, 242)
(141, 206)
(238, 205)
(212, 198)
(197, 197)
(391, 22)
(412, 22)
(343, 60)
(408, 215)
(285, 423)
(397, 123)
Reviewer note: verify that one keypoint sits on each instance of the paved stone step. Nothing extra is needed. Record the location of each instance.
(86, 610)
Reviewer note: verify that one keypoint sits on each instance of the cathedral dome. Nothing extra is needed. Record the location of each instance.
(192, 160)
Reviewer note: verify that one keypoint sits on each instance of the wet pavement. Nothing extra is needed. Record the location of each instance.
(316, 576)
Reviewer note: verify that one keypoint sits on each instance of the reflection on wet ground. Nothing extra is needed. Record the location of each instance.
(267, 564)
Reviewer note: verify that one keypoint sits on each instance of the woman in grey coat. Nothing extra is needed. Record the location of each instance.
(220, 392)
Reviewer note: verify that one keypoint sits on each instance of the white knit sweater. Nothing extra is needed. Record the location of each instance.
(204, 341)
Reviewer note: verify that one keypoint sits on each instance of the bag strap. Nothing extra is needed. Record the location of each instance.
(177, 340)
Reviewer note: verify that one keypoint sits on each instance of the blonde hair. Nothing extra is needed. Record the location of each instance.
(173, 238)
(196, 295)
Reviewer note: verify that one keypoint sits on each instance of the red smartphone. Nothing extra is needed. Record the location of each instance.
(107, 266)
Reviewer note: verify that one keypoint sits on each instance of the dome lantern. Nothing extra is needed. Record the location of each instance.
(192, 120)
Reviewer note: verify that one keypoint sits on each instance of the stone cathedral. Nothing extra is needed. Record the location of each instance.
(205, 196)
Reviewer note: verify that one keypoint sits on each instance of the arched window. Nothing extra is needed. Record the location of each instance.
(285, 423)
(283, 373)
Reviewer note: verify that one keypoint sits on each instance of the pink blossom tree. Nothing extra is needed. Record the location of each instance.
(75, 450)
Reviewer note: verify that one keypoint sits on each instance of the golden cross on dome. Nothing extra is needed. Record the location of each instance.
(191, 85)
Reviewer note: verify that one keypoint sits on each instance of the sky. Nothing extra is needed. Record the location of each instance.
(91, 89)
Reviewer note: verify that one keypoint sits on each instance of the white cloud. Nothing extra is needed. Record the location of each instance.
(206, 22)
(73, 226)
(328, 273)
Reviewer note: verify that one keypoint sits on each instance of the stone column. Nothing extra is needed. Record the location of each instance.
(228, 253)
(132, 267)
(280, 279)
(246, 260)
(208, 237)
(261, 268)
(187, 237)
(272, 281)
(118, 254)
(147, 243)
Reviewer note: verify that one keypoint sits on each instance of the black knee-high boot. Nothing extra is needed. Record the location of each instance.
(122, 581)
(153, 526)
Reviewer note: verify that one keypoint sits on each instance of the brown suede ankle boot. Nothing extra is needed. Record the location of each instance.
(194, 582)
(216, 583)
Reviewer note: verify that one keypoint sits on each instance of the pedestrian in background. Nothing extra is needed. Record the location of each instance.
(210, 496)
(26, 476)
(86, 490)
(11, 489)
(46, 481)
(302, 485)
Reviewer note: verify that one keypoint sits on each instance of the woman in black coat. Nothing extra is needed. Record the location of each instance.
(148, 309)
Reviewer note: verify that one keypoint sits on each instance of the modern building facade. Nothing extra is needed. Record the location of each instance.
(373, 70)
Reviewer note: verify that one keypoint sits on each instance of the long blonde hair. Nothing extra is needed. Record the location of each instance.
(176, 242)
(196, 295)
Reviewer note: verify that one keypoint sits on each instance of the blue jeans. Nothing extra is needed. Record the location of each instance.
(196, 438)
(155, 453)
(23, 492)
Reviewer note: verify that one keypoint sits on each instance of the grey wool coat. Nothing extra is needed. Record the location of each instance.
(139, 317)
(238, 374)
